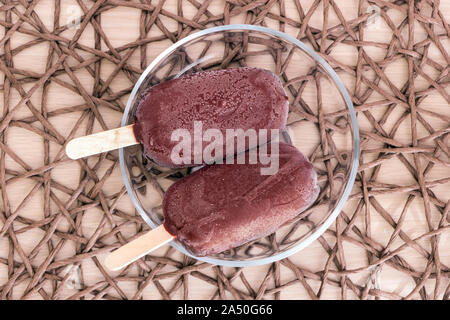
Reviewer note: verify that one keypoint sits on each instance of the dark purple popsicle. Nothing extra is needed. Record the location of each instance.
(222, 206)
(235, 98)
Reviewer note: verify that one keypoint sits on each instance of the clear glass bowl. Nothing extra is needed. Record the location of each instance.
(328, 134)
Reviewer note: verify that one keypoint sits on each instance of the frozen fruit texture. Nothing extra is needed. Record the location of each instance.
(222, 206)
(234, 98)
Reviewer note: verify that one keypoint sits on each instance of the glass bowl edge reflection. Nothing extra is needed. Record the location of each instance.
(355, 133)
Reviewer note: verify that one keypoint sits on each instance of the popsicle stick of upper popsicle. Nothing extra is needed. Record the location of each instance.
(235, 98)
(101, 142)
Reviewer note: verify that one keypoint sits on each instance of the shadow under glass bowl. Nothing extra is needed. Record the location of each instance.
(321, 124)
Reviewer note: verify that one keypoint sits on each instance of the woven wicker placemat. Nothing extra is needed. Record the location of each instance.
(64, 77)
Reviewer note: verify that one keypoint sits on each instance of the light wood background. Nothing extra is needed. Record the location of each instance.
(121, 26)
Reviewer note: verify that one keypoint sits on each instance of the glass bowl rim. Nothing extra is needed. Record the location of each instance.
(356, 141)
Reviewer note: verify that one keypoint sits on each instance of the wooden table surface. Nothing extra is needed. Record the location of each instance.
(121, 24)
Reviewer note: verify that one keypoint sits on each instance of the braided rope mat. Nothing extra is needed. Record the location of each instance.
(63, 78)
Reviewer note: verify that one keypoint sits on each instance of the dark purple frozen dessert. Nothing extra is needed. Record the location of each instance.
(235, 98)
(222, 206)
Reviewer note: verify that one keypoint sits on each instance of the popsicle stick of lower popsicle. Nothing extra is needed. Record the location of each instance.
(101, 142)
(138, 248)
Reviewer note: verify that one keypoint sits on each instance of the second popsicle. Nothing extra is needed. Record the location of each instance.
(236, 98)
(222, 206)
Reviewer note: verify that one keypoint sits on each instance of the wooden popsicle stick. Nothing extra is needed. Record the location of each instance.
(101, 142)
(138, 248)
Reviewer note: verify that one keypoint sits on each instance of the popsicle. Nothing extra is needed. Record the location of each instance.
(234, 98)
(222, 206)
